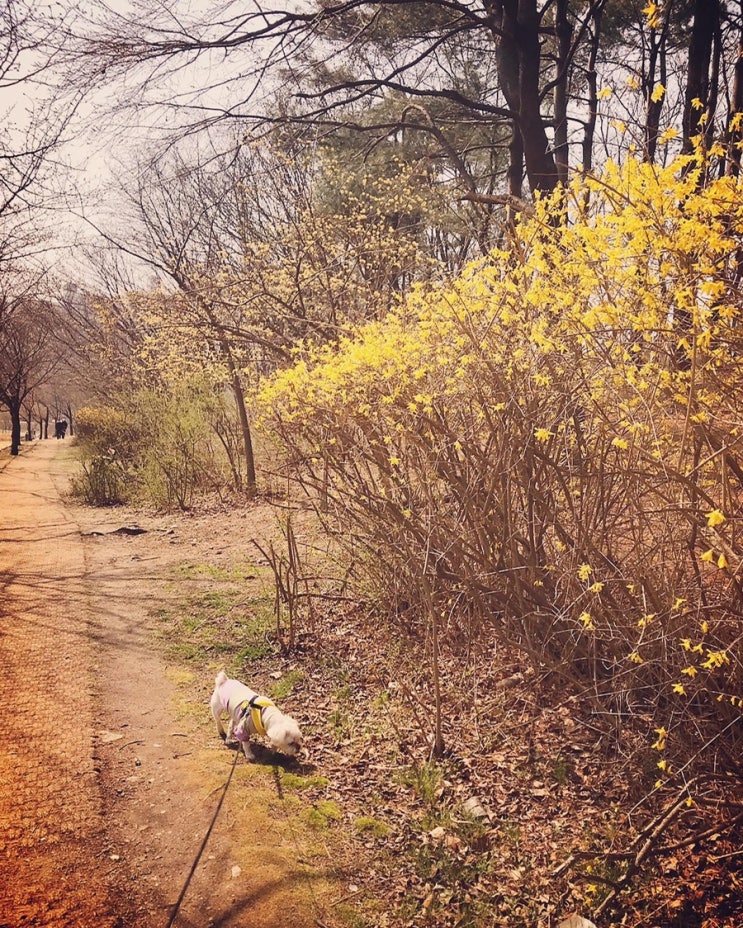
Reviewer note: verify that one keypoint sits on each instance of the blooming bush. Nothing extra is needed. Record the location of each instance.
(546, 451)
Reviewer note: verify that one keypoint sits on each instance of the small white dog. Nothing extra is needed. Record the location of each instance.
(251, 714)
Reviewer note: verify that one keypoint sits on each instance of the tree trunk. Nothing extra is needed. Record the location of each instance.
(515, 25)
(698, 88)
(242, 411)
(656, 74)
(589, 129)
(15, 427)
(736, 110)
(563, 32)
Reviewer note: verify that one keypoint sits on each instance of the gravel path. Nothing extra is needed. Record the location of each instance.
(51, 825)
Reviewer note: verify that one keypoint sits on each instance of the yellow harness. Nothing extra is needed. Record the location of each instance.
(255, 706)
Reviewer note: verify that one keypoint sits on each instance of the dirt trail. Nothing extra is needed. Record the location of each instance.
(110, 775)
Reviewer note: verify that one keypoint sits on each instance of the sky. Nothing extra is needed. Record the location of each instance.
(115, 123)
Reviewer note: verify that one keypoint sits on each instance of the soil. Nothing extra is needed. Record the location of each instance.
(114, 809)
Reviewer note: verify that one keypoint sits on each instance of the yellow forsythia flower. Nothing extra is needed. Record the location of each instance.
(679, 688)
(690, 672)
(620, 443)
(585, 571)
(635, 658)
(585, 618)
(542, 434)
(722, 562)
(708, 556)
(715, 659)
(660, 742)
(715, 518)
(658, 93)
(651, 13)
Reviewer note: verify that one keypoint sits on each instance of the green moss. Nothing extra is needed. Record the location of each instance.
(322, 814)
(293, 781)
(365, 824)
(281, 688)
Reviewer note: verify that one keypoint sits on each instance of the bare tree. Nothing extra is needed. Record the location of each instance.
(28, 355)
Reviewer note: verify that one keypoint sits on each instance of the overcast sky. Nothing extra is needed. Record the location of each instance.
(117, 124)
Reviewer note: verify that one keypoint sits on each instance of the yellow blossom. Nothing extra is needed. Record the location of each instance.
(658, 93)
(585, 618)
(542, 434)
(715, 518)
(621, 443)
(708, 556)
(679, 688)
(585, 571)
(635, 658)
(660, 741)
(690, 672)
(722, 562)
(716, 659)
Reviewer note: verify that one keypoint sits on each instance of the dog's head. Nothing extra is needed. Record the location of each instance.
(285, 736)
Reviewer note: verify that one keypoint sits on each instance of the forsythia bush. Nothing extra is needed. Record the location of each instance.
(548, 451)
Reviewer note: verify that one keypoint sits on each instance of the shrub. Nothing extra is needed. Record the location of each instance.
(159, 447)
(547, 451)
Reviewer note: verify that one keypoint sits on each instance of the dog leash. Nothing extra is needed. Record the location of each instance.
(179, 901)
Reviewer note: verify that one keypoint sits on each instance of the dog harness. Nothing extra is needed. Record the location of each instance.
(255, 706)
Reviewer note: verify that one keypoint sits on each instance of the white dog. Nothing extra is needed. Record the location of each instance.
(251, 714)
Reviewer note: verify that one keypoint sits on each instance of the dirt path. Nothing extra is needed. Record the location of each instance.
(111, 776)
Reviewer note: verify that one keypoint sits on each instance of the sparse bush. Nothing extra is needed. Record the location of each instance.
(161, 447)
(102, 482)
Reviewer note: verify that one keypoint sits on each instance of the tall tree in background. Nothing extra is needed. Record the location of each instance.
(494, 95)
(28, 355)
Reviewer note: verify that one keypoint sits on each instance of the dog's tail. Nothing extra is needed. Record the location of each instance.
(221, 678)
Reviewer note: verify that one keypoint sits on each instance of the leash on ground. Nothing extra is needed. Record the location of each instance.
(179, 901)
(295, 840)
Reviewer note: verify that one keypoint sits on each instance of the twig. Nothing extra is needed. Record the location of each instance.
(652, 833)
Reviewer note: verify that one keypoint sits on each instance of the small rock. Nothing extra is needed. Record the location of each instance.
(576, 921)
(474, 806)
